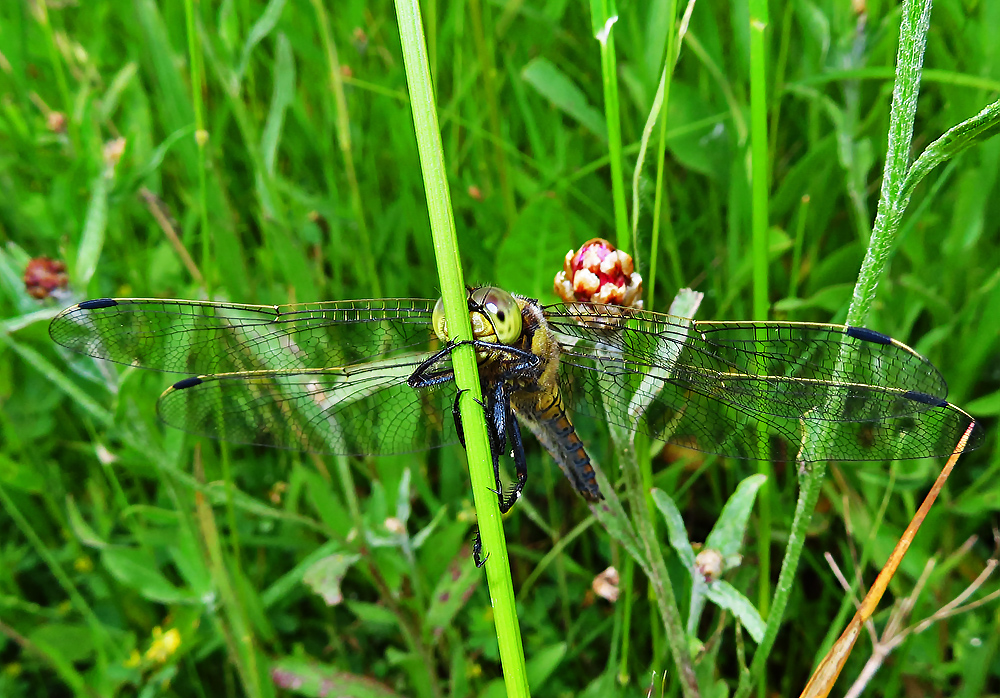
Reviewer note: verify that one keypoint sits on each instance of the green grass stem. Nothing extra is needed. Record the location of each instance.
(425, 124)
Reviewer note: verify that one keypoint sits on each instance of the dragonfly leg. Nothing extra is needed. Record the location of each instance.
(457, 416)
(520, 460)
(424, 377)
(477, 550)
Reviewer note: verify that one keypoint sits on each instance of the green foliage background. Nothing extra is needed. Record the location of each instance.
(114, 531)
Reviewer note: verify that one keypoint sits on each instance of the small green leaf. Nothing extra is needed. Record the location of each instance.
(260, 29)
(371, 613)
(676, 533)
(20, 476)
(75, 643)
(303, 677)
(452, 592)
(542, 663)
(139, 571)
(725, 595)
(325, 575)
(282, 96)
(94, 225)
(555, 86)
(727, 534)
(84, 532)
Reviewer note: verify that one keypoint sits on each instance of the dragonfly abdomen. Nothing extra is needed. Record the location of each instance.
(546, 416)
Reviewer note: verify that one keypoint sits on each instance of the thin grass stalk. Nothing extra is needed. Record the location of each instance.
(761, 299)
(442, 223)
(103, 642)
(197, 77)
(55, 57)
(343, 124)
(912, 41)
(488, 71)
(604, 15)
(236, 628)
(659, 579)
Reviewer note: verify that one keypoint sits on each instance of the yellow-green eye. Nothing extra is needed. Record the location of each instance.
(438, 322)
(501, 309)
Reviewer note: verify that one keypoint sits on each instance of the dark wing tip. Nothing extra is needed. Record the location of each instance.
(187, 383)
(932, 400)
(98, 304)
(866, 335)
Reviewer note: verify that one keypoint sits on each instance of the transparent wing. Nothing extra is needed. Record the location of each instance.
(323, 377)
(202, 337)
(366, 409)
(708, 385)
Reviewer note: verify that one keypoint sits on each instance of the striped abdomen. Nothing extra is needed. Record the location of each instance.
(545, 415)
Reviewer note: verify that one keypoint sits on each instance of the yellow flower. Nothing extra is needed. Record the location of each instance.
(83, 564)
(133, 659)
(164, 644)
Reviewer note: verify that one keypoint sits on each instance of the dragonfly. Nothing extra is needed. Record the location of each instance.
(375, 377)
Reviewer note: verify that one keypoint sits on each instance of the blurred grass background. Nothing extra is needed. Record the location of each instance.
(135, 562)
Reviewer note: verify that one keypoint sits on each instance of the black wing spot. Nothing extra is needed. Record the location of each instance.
(98, 304)
(187, 383)
(924, 398)
(866, 335)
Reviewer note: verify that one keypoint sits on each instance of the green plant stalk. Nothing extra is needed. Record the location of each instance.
(659, 579)
(42, 14)
(442, 223)
(344, 141)
(604, 14)
(103, 641)
(912, 40)
(487, 67)
(661, 202)
(200, 139)
(236, 628)
(810, 485)
(761, 303)
(915, 23)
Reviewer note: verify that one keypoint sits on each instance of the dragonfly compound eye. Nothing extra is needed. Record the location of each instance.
(502, 310)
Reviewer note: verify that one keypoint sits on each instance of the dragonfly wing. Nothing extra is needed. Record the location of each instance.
(367, 409)
(203, 337)
(708, 385)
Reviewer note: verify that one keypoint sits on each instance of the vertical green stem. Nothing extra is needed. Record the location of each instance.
(909, 59)
(201, 139)
(761, 303)
(810, 483)
(604, 15)
(428, 137)
(346, 149)
(916, 21)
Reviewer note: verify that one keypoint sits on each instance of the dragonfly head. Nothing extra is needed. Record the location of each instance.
(494, 313)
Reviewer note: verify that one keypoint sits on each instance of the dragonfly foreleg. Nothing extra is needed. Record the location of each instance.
(424, 377)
